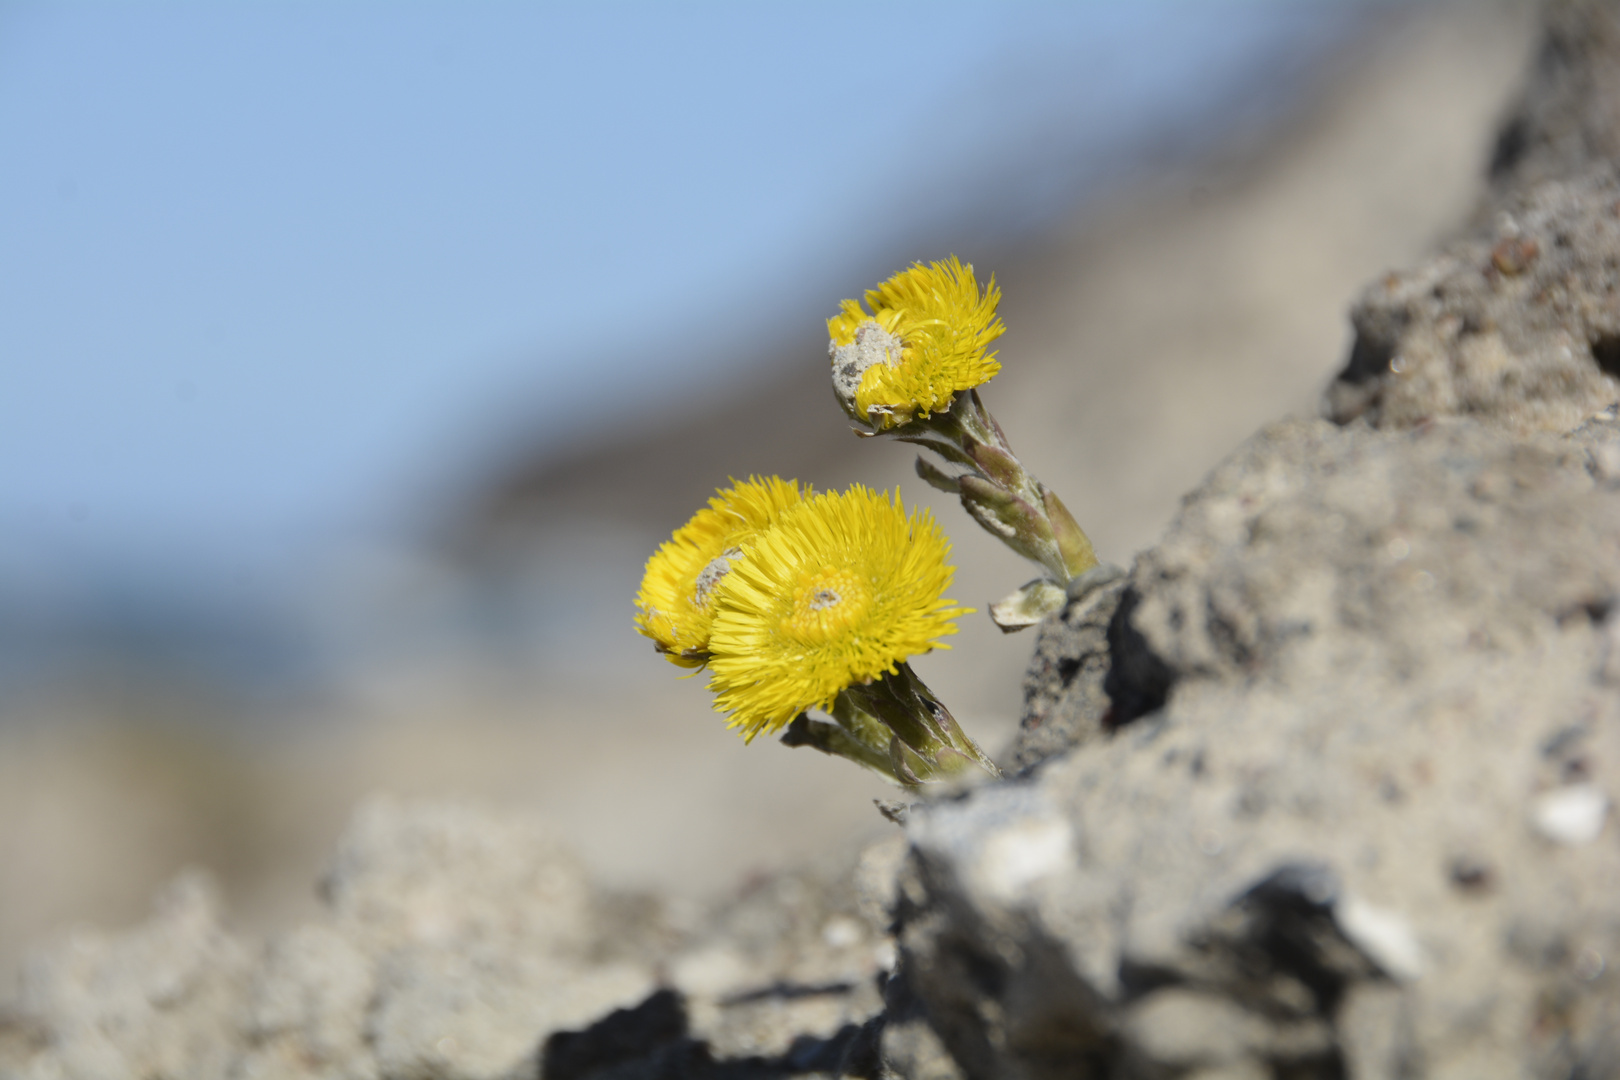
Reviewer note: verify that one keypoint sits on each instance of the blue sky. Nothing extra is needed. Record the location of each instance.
(270, 271)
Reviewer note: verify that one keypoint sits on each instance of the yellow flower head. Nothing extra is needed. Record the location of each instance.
(840, 590)
(923, 343)
(677, 598)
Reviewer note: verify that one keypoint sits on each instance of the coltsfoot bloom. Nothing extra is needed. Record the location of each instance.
(841, 590)
(678, 591)
(924, 341)
(910, 370)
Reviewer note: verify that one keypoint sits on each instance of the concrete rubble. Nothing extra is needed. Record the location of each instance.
(1324, 787)
(1341, 809)
(461, 943)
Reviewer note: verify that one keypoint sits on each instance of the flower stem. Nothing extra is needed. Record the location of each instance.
(894, 726)
(997, 490)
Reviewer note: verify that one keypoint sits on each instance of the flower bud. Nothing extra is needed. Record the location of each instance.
(871, 345)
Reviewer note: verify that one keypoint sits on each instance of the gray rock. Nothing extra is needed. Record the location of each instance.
(145, 1003)
(1319, 852)
(462, 943)
(307, 1014)
(1518, 322)
(454, 942)
(1064, 697)
(1340, 772)
(908, 1045)
(1569, 115)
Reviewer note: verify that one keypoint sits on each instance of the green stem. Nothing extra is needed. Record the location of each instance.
(1000, 493)
(896, 727)
(835, 740)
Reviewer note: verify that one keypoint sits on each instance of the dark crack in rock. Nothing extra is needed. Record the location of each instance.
(1065, 703)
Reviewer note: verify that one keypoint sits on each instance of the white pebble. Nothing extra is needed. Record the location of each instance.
(840, 932)
(1571, 815)
(1019, 855)
(885, 955)
(1384, 936)
(710, 972)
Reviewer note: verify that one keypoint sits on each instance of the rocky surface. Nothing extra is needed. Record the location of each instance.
(1569, 115)
(1332, 792)
(1065, 700)
(452, 939)
(1357, 820)
(1517, 324)
(462, 943)
(1324, 788)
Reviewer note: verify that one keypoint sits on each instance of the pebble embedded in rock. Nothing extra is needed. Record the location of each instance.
(1571, 815)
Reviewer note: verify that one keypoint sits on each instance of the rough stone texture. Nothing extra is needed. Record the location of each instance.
(1569, 115)
(1332, 847)
(462, 943)
(791, 968)
(1064, 697)
(141, 1003)
(1334, 793)
(454, 940)
(1517, 324)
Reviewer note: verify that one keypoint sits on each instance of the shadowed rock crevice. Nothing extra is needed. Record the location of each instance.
(1377, 336)
(656, 1028)
(1066, 701)
(1138, 680)
(652, 1041)
(1606, 353)
(966, 980)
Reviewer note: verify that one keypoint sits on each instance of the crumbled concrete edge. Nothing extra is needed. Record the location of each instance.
(457, 941)
(1369, 831)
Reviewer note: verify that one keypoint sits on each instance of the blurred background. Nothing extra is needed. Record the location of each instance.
(354, 357)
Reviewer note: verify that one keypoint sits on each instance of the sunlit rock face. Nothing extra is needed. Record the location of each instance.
(1343, 801)
(1327, 787)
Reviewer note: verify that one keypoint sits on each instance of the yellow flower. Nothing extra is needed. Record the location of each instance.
(923, 343)
(840, 590)
(676, 602)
